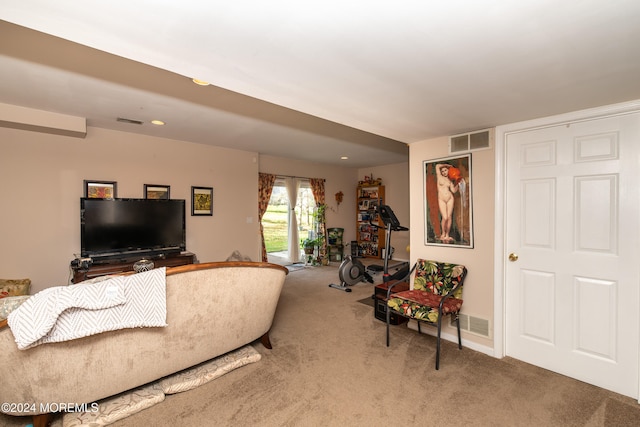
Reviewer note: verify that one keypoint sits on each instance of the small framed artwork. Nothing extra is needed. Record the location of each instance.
(201, 201)
(100, 189)
(448, 205)
(159, 192)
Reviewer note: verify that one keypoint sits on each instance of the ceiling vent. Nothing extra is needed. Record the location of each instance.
(478, 140)
(130, 121)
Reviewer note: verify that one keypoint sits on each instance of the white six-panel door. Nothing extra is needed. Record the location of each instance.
(572, 249)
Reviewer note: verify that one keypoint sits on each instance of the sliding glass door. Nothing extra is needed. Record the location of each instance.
(289, 219)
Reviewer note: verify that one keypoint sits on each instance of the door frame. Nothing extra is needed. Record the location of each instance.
(501, 134)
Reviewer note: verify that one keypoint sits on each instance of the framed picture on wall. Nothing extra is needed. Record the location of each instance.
(201, 201)
(160, 192)
(448, 207)
(100, 189)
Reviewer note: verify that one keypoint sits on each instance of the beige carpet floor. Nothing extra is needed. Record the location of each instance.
(330, 367)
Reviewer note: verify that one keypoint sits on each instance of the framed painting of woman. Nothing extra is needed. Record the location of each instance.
(447, 202)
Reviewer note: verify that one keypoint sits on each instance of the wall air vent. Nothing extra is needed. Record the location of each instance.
(472, 324)
(471, 141)
(130, 121)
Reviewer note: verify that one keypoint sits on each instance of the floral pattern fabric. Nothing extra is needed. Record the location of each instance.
(317, 189)
(265, 187)
(434, 281)
(14, 287)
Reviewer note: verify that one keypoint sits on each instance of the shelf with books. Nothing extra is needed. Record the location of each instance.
(369, 238)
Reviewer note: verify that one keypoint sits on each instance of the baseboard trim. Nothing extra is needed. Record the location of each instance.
(489, 351)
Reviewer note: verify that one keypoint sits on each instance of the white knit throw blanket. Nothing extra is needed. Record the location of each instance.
(68, 312)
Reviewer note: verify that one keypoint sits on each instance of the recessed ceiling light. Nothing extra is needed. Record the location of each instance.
(344, 158)
(157, 122)
(200, 82)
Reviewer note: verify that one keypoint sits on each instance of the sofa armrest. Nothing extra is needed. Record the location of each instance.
(4, 323)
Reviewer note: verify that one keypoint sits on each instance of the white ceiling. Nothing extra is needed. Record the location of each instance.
(316, 80)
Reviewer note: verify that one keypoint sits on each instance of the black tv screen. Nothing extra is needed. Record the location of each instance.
(131, 226)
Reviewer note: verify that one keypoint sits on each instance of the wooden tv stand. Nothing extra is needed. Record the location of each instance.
(124, 264)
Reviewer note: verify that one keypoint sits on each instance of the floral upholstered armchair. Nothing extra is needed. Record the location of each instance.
(437, 292)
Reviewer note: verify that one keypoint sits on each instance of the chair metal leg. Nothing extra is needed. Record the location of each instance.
(438, 342)
(458, 325)
(388, 311)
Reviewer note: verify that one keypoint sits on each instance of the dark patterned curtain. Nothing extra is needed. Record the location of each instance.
(317, 188)
(265, 187)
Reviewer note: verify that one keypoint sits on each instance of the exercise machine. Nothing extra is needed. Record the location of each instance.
(391, 223)
(350, 272)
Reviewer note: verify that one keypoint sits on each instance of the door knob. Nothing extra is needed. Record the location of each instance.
(513, 257)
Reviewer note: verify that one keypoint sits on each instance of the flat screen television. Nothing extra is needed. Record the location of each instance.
(111, 228)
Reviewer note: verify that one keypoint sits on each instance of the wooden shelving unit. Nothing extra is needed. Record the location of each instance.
(369, 238)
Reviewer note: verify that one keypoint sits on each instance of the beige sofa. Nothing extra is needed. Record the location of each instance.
(212, 309)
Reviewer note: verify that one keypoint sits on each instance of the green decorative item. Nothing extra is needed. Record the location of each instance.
(309, 244)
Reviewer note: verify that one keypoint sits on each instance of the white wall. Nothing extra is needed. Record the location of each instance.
(41, 182)
(478, 289)
(395, 179)
(337, 179)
